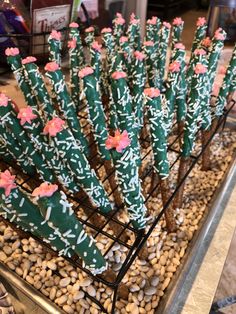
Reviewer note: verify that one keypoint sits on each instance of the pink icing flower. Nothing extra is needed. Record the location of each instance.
(51, 66)
(106, 30)
(201, 21)
(206, 42)
(7, 182)
(3, 100)
(219, 34)
(120, 141)
(167, 25)
(74, 25)
(149, 43)
(133, 19)
(200, 69)
(139, 55)
(53, 126)
(45, 190)
(72, 43)
(174, 66)
(118, 14)
(152, 21)
(118, 75)
(179, 46)
(199, 52)
(119, 21)
(152, 92)
(12, 52)
(178, 21)
(123, 39)
(55, 35)
(222, 70)
(85, 71)
(96, 46)
(26, 115)
(89, 29)
(29, 59)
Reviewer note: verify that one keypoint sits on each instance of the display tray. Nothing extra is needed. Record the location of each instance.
(172, 292)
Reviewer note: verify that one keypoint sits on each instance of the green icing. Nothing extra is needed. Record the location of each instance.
(157, 130)
(20, 210)
(18, 70)
(67, 107)
(96, 114)
(58, 212)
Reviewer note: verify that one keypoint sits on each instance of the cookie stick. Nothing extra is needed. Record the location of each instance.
(58, 213)
(37, 84)
(177, 29)
(133, 33)
(33, 125)
(196, 95)
(128, 52)
(16, 151)
(9, 119)
(89, 36)
(118, 29)
(159, 146)
(54, 41)
(75, 34)
(66, 104)
(127, 174)
(169, 98)
(200, 33)
(213, 58)
(5, 154)
(14, 60)
(64, 141)
(224, 90)
(139, 80)
(162, 52)
(123, 108)
(152, 74)
(96, 63)
(74, 69)
(22, 211)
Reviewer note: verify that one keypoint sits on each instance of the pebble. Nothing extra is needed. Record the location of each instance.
(155, 281)
(51, 265)
(61, 300)
(163, 260)
(91, 291)
(68, 309)
(78, 295)
(150, 290)
(3, 256)
(52, 293)
(85, 282)
(64, 282)
(132, 308)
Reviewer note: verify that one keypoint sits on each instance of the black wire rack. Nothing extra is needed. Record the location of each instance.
(133, 249)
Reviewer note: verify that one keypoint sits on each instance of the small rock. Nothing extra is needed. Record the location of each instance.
(163, 260)
(134, 288)
(85, 282)
(78, 295)
(132, 308)
(150, 290)
(3, 256)
(68, 309)
(154, 281)
(52, 294)
(91, 291)
(64, 282)
(7, 250)
(51, 265)
(61, 300)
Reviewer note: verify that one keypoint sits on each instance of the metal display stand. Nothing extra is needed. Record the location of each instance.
(28, 183)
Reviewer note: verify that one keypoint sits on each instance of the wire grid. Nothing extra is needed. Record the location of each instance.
(28, 183)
